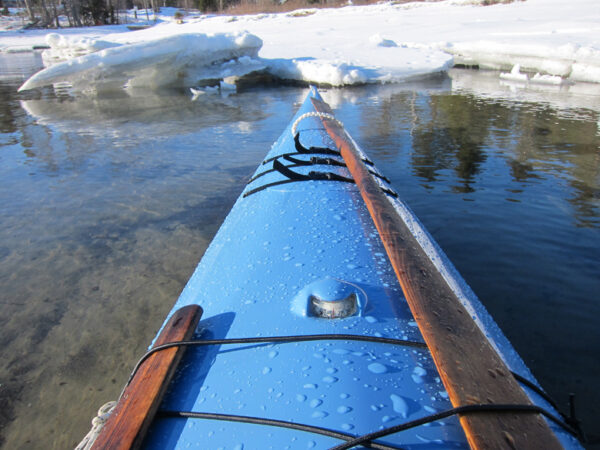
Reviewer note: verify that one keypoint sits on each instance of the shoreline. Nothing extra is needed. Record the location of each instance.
(355, 45)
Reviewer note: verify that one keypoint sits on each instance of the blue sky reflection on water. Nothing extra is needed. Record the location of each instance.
(108, 202)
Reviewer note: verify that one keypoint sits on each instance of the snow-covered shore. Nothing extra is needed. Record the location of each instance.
(352, 45)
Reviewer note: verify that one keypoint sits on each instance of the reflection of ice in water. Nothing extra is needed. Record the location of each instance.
(123, 114)
(566, 99)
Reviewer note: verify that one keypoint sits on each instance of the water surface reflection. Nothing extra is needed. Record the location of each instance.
(108, 202)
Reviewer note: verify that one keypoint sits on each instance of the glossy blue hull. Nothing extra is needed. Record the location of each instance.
(284, 243)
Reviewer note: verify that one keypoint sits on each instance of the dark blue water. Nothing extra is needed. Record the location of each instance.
(108, 202)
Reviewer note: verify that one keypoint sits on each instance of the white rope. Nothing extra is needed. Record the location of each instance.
(314, 114)
(97, 424)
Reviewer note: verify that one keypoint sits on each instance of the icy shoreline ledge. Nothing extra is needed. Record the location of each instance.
(196, 59)
(380, 43)
(572, 63)
(183, 60)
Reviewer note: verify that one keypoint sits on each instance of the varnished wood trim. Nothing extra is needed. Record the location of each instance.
(129, 421)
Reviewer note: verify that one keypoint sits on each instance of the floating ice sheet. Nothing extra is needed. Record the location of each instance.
(173, 61)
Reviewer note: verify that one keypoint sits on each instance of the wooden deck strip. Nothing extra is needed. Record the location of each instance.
(130, 420)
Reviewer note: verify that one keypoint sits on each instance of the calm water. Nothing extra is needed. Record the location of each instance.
(107, 204)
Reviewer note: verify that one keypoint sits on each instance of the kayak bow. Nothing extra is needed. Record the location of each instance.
(332, 319)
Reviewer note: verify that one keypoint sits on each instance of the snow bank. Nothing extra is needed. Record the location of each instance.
(409, 64)
(66, 47)
(180, 60)
(195, 59)
(378, 43)
(318, 71)
(381, 42)
(568, 61)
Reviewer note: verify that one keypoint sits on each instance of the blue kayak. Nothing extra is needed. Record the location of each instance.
(311, 340)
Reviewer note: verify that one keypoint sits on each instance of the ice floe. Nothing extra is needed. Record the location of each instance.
(515, 75)
(173, 61)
